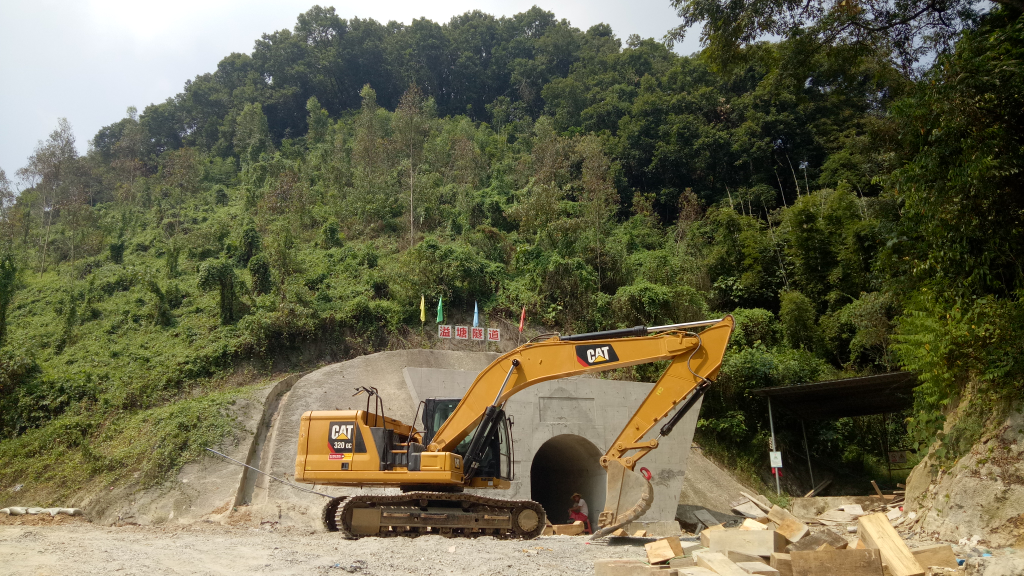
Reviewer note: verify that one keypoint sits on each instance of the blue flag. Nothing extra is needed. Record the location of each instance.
(476, 315)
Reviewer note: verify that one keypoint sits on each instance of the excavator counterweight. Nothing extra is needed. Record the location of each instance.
(465, 442)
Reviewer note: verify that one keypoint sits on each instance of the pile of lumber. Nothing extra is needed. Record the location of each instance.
(575, 529)
(771, 541)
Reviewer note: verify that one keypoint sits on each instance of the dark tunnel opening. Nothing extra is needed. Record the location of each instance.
(565, 464)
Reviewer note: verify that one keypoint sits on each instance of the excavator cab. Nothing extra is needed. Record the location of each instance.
(497, 455)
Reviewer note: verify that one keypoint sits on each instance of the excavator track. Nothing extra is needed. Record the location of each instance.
(448, 514)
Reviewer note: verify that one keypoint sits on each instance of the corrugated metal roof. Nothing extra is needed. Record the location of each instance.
(861, 396)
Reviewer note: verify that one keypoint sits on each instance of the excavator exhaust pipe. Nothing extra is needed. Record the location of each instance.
(628, 496)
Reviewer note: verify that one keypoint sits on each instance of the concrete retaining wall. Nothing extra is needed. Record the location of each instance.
(565, 412)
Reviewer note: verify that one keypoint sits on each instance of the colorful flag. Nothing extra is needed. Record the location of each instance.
(476, 315)
(423, 309)
(440, 310)
(522, 320)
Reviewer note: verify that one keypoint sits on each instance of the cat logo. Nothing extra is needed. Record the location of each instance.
(594, 354)
(340, 437)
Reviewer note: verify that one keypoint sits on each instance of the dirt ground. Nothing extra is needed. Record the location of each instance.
(38, 546)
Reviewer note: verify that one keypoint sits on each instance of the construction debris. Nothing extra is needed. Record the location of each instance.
(574, 529)
(663, 550)
(783, 563)
(778, 543)
(837, 563)
(751, 524)
(718, 563)
(757, 568)
(20, 510)
(876, 532)
(753, 542)
(789, 526)
(745, 507)
(939, 555)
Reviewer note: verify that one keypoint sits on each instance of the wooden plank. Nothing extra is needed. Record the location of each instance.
(718, 563)
(574, 529)
(748, 509)
(789, 526)
(817, 489)
(706, 518)
(837, 563)
(663, 550)
(757, 502)
(738, 557)
(938, 555)
(758, 568)
(876, 532)
(753, 542)
(837, 516)
(877, 490)
(782, 562)
(751, 524)
(639, 533)
(695, 571)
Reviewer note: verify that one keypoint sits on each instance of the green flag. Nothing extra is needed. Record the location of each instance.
(440, 310)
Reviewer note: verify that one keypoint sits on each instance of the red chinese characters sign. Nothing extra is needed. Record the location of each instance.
(476, 333)
(493, 334)
(444, 331)
(462, 332)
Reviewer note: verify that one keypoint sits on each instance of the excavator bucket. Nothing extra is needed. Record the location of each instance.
(629, 495)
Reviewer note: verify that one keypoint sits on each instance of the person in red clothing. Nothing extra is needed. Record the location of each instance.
(579, 511)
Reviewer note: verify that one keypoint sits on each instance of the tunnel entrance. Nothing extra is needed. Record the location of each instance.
(565, 464)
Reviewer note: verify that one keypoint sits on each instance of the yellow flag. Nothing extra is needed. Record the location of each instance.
(423, 309)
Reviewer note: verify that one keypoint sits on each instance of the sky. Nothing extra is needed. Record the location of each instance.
(89, 60)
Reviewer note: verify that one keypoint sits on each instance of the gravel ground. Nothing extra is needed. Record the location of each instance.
(40, 547)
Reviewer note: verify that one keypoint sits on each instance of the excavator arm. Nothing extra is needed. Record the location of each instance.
(695, 360)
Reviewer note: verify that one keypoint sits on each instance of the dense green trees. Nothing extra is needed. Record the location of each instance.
(305, 196)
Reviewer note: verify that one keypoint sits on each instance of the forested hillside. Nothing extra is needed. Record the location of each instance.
(856, 214)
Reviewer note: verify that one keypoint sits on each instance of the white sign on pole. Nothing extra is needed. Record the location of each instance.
(776, 458)
(444, 331)
(493, 334)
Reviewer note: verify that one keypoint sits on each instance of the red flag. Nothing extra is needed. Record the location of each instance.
(522, 320)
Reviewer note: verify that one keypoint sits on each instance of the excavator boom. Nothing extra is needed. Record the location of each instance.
(695, 360)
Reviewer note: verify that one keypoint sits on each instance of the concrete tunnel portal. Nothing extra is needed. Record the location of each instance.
(563, 465)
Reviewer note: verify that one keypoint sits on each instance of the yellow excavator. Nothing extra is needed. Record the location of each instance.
(465, 443)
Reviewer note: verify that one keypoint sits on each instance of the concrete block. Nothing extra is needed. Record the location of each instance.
(782, 562)
(753, 542)
(751, 524)
(758, 568)
(690, 547)
(938, 555)
(837, 563)
(738, 557)
(789, 526)
(718, 563)
(663, 550)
